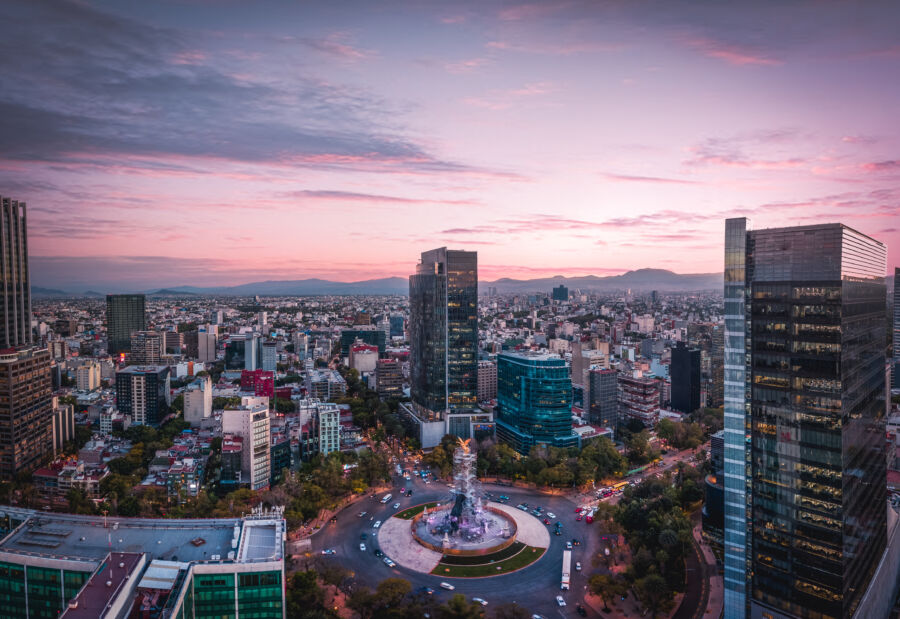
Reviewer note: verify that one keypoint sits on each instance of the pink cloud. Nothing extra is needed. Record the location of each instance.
(466, 66)
(556, 49)
(729, 53)
(337, 44)
(497, 100)
(649, 179)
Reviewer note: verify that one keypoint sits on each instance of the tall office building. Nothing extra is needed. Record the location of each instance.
(144, 393)
(487, 381)
(389, 378)
(560, 293)
(329, 428)
(717, 367)
(242, 352)
(251, 422)
(15, 329)
(26, 410)
(87, 376)
(603, 408)
(895, 366)
(125, 314)
(146, 348)
(684, 371)
(268, 355)
(443, 330)
(198, 401)
(534, 401)
(805, 469)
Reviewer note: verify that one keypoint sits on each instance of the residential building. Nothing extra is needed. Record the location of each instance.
(173, 341)
(268, 355)
(300, 341)
(363, 357)
(87, 376)
(805, 497)
(241, 352)
(329, 428)
(198, 401)
(251, 422)
(232, 460)
(280, 457)
(534, 401)
(62, 425)
(325, 384)
(389, 378)
(638, 399)
(143, 393)
(258, 382)
(206, 346)
(895, 369)
(685, 374)
(487, 381)
(26, 410)
(15, 328)
(560, 293)
(125, 314)
(146, 348)
(603, 405)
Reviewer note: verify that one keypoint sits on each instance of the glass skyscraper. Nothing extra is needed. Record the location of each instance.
(895, 366)
(125, 314)
(534, 401)
(805, 478)
(685, 373)
(15, 328)
(443, 330)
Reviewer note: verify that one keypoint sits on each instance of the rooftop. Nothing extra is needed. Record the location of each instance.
(101, 589)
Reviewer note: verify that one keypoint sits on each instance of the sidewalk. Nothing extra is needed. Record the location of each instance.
(716, 602)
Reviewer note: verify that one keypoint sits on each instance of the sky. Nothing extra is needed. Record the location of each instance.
(218, 142)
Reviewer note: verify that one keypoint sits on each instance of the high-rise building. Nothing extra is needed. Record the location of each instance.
(125, 314)
(242, 352)
(15, 329)
(251, 422)
(389, 378)
(142, 391)
(300, 340)
(173, 341)
(487, 381)
(443, 330)
(268, 355)
(397, 325)
(534, 401)
(198, 401)
(87, 376)
(603, 408)
(26, 410)
(329, 428)
(685, 374)
(638, 399)
(805, 468)
(717, 367)
(560, 293)
(146, 348)
(62, 425)
(895, 366)
(365, 334)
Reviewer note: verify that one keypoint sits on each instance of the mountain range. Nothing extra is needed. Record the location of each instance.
(638, 280)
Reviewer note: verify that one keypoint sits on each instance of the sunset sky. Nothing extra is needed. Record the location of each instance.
(215, 142)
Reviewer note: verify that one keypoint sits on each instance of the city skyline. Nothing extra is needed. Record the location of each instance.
(182, 144)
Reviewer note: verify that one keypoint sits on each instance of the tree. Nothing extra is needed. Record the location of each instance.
(606, 587)
(654, 593)
(79, 503)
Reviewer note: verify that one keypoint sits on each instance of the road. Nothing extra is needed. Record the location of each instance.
(534, 587)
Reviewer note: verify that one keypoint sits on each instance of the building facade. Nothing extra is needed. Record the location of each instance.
(26, 410)
(87, 376)
(198, 401)
(15, 328)
(487, 381)
(805, 497)
(604, 398)
(895, 366)
(251, 423)
(142, 391)
(389, 378)
(329, 424)
(639, 399)
(534, 401)
(125, 314)
(685, 374)
(146, 348)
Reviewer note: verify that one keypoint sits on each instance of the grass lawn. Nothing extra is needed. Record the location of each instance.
(527, 556)
(407, 514)
(500, 555)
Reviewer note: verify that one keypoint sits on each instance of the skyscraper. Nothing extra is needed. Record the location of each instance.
(443, 326)
(895, 366)
(125, 314)
(143, 393)
(15, 329)
(603, 407)
(146, 348)
(26, 410)
(805, 479)
(534, 400)
(685, 373)
(560, 293)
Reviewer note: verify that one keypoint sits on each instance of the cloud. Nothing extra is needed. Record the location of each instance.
(731, 53)
(338, 46)
(497, 100)
(349, 196)
(752, 150)
(889, 165)
(466, 66)
(649, 179)
(556, 49)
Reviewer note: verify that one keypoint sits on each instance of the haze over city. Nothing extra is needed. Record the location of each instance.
(213, 143)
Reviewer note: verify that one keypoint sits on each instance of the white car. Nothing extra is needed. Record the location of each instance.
(578, 566)
(361, 514)
(551, 515)
(329, 551)
(447, 586)
(396, 505)
(560, 600)
(362, 547)
(481, 601)
(377, 524)
(388, 562)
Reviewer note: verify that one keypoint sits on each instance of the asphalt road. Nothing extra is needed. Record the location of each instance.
(534, 587)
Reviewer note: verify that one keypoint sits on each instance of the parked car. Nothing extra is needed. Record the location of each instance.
(377, 524)
(546, 521)
(503, 497)
(362, 514)
(551, 515)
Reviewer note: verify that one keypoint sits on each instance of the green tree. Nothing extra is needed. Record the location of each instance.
(653, 592)
(606, 587)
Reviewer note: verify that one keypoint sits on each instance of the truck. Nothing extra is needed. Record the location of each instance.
(387, 498)
(566, 570)
(590, 517)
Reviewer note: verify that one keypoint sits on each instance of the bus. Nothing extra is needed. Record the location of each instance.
(619, 486)
(387, 498)
(566, 569)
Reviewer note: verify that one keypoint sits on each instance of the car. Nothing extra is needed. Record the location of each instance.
(536, 513)
(447, 586)
(329, 551)
(333, 520)
(560, 601)
(388, 562)
(363, 537)
(551, 515)
(578, 566)
(581, 611)
(568, 545)
(580, 518)
(409, 493)
(377, 524)
(396, 505)
(578, 510)
(362, 547)
(427, 590)
(378, 553)
(546, 521)
(537, 616)
(362, 514)
(503, 497)
(481, 601)
(576, 541)
(558, 532)
(403, 489)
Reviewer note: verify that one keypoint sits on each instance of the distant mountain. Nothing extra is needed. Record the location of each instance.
(639, 280)
(301, 287)
(167, 292)
(37, 291)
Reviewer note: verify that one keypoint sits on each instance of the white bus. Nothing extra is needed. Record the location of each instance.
(566, 569)
(387, 498)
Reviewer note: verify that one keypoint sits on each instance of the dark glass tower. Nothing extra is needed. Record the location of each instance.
(534, 399)
(895, 366)
(443, 330)
(125, 314)
(604, 398)
(685, 374)
(15, 328)
(813, 315)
